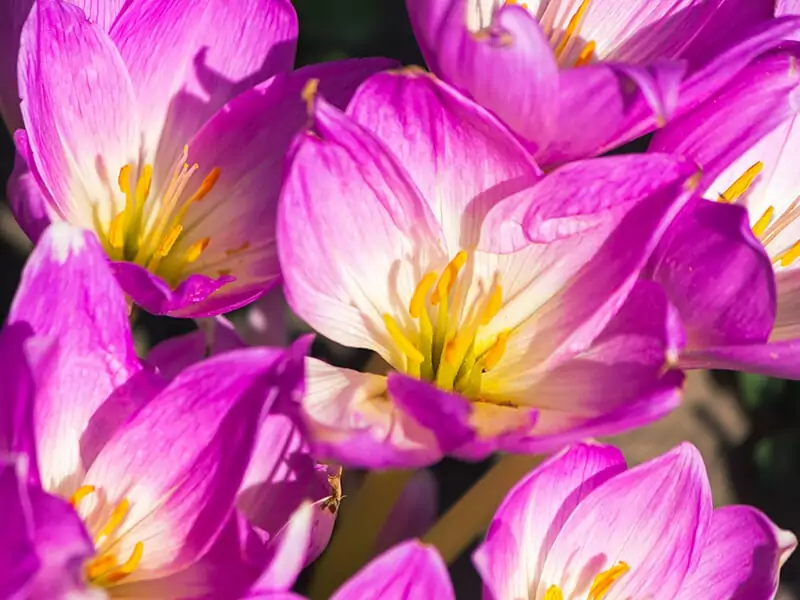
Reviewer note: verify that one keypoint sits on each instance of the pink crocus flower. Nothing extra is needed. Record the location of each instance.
(575, 78)
(144, 127)
(152, 470)
(730, 263)
(390, 223)
(584, 526)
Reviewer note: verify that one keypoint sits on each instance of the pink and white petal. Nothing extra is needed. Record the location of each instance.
(504, 61)
(653, 517)
(787, 7)
(173, 355)
(596, 223)
(460, 157)
(604, 105)
(25, 192)
(720, 131)
(94, 358)
(349, 418)
(409, 571)
(717, 275)
(354, 234)
(185, 66)
(181, 459)
(154, 295)
(247, 140)
(102, 12)
(79, 111)
(527, 523)
(12, 17)
(741, 558)
(415, 511)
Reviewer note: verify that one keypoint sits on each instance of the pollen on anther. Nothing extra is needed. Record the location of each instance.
(417, 304)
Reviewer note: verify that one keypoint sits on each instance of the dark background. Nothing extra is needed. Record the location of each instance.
(747, 427)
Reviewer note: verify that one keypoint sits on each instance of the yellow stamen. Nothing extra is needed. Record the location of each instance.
(455, 349)
(742, 184)
(603, 582)
(417, 304)
(791, 255)
(124, 179)
(129, 566)
(143, 185)
(238, 249)
(553, 593)
(208, 184)
(196, 249)
(114, 521)
(763, 222)
(586, 54)
(169, 241)
(100, 566)
(496, 351)
(572, 28)
(80, 494)
(401, 341)
(309, 93)
(116, 231)
(449, 276)
(493, 306)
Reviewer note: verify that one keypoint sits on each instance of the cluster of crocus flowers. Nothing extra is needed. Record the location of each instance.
(575, 78)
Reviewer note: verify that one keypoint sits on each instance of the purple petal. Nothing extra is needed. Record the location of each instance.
(26, 197)
(527, 523)
(18, 550)
(461, 158)
(775, 359)
(410, 571)
(741, 558)
(287, 553)
(173, 355)
(16, 418)
(653, 517)
(185, 64)
(717, 275)
(79, 110)
(181, 459)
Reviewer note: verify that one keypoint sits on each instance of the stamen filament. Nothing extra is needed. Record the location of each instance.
(603, 582)
(417, 305)
(572, 28)
(742, 184)
(493, 305)
(401, 341)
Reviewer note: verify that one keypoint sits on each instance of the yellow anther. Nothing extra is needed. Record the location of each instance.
(791, 255)
(417, 304)
(196, 249)
(493, 355)
(763, 222)
(586, 54)
(100, 566)
(742, 184)
(553, 593)
(401, 341)
(208, 184)
(449, 276)
(124, 179)
(572, 28)
(493, 306)
(114, 521)
(116, 231)
(80, 494)
(603, 582)
(522, 4)
(169, 241)
(309, 93)
(455, 349)
(237, 250)
(129, 566)
(143, 185)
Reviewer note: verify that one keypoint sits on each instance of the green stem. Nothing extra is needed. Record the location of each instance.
(470, 516)
(360, 520)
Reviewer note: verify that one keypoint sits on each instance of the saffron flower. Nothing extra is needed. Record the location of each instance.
(575, 78)
(145, 128)
(151, 469)
(583, 525)
(388, 224)
(408, 571)
(730, 263)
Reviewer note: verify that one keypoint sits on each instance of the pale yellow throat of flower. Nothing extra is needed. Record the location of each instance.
(563, 42)
(601, 584)
(766, 227)
(444, 349)
(105, 569)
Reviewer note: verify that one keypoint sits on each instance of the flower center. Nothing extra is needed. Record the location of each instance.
(443, 347)
(149, 238)
(766, 228)
(563, 42)
(105, 569)
(600, 587)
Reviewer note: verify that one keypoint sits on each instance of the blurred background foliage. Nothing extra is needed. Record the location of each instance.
(747, 426)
